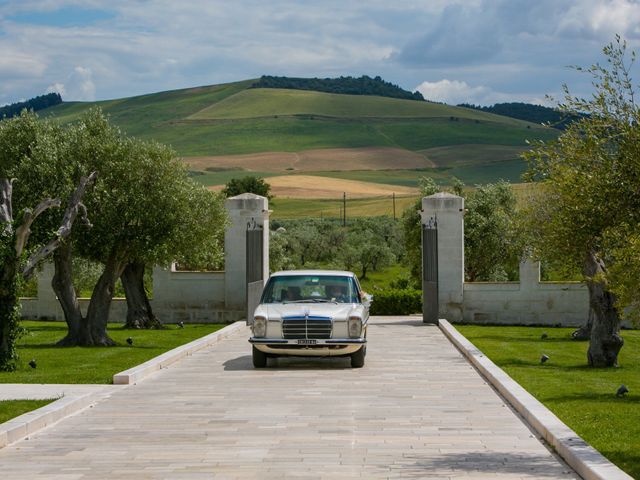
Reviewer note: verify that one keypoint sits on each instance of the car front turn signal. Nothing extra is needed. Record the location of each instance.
(355, 327)
(259, 326)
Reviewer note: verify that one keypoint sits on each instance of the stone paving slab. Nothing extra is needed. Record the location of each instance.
(416, 410)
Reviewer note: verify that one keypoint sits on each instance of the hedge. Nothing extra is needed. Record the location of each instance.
(396, 302)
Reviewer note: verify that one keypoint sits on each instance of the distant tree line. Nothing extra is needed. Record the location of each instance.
(34, 104)
(529, 112)
(364, 85)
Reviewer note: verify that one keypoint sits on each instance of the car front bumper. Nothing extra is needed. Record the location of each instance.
(309, 347)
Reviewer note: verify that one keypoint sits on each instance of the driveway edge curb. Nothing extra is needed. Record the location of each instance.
(145, 369)
(582, 457)
(29, 423)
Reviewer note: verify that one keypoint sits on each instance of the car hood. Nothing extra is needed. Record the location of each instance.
(332, 310)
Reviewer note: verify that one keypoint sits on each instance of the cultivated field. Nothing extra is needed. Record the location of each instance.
(308, 186)
(328, 159)
(364, 207)
(456, 155)
(332, 208)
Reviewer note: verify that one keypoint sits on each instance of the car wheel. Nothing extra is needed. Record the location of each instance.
(259, 358)
(357, 359)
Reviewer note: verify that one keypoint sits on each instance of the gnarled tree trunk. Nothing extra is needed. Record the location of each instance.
(100, 305)
(139, 312)
(584, 332)
(8, 313)
(605, 342)
(62, 284)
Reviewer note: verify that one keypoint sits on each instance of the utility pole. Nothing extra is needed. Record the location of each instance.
(344, 209)
(394, 206)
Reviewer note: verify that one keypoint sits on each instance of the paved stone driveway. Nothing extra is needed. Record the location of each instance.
(416, 410)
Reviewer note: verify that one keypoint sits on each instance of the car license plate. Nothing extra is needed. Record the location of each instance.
(306, 341)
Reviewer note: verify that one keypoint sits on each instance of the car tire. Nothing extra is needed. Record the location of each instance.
(357, 359)
(259, 358)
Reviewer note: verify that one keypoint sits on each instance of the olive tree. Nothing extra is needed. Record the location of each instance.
(22, 140)
(492, 250)
(145, 210)
(195, 239)
(589, 200)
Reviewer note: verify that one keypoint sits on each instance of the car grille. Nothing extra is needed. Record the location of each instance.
(306, 327)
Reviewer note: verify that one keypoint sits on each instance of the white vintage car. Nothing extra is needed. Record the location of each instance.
(318, 313)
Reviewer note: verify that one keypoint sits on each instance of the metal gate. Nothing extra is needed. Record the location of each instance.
(430, 271)
(255, 280)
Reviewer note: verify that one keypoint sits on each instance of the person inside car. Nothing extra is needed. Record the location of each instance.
(337, 294)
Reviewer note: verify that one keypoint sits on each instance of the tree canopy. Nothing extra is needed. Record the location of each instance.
(363, 85)
(553, 117)
(33, 104)
(248, 184)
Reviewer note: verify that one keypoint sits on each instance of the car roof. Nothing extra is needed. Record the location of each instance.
(319, 273)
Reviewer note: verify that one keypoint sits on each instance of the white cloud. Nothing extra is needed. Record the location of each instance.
(601, 19)
(454, 92)
(490, 47)
(80, 85)
(57, 88)
(14, 63)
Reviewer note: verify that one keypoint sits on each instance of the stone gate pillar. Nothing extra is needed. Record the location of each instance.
(243, 209)
(448, 210)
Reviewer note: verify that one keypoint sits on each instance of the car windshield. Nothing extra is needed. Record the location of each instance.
(310, 289)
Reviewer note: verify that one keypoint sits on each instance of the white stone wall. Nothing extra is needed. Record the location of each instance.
(528, 302)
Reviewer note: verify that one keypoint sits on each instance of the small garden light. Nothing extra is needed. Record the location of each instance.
(622, 389)
(181, 324)
(33, 363)
(544, 358)
(130, 341)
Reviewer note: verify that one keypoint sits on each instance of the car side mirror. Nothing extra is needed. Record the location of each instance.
(367, 299)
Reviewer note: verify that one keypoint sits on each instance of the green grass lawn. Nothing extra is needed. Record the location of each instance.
(14, 408)
(94, 364)
(382, 278)
(582, 397)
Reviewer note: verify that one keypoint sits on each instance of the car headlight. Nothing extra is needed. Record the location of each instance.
(259, 326)
(355, 327)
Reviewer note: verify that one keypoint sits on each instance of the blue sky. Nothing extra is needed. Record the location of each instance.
(477, 51)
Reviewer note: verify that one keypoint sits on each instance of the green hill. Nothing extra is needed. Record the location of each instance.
(231, 119)
(270, 102)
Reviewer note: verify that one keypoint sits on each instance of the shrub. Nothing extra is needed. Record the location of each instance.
(396, 302)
